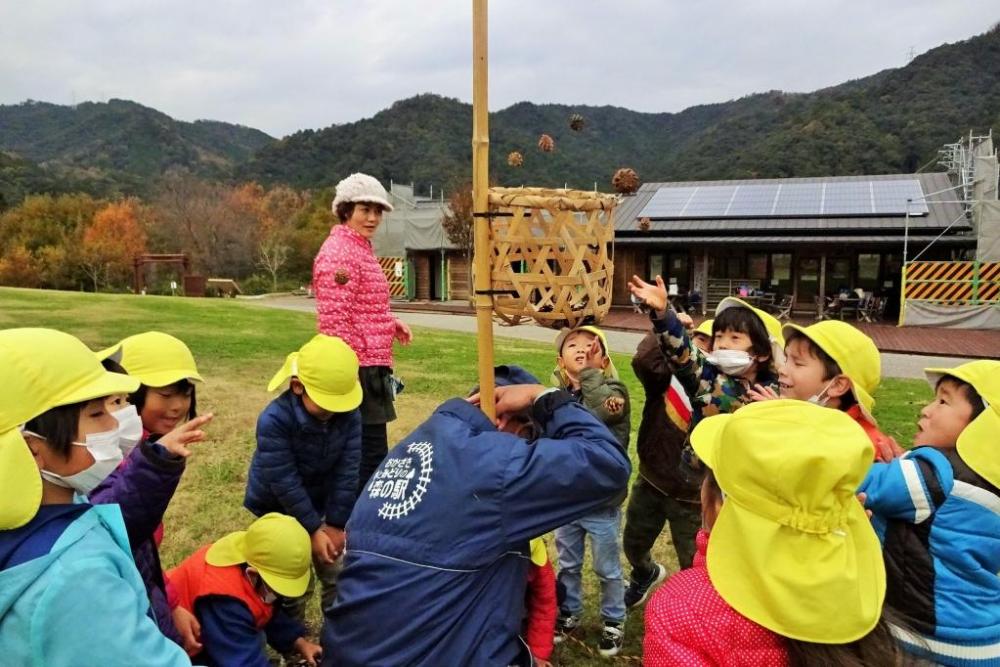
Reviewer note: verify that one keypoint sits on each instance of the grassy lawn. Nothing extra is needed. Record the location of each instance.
(239, 346)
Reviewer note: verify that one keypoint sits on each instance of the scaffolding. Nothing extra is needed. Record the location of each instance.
(959, 161)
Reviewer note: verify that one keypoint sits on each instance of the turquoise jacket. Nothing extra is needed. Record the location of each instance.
(80, 601)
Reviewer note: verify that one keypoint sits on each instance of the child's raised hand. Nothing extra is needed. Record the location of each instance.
(595, 355)
(177, 441)
(761, 393)
(654, 296)
(686, 320)
(887, 449)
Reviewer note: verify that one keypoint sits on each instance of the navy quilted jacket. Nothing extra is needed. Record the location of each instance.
(304, 467)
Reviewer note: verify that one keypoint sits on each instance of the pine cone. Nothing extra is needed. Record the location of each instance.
(546, 144)
(576, 122)
(625, 180)
(643, 224)
(515, 159)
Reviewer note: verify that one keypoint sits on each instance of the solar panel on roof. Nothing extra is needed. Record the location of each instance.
(789, 200)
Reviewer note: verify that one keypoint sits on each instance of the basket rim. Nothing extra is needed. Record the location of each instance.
(552, 198)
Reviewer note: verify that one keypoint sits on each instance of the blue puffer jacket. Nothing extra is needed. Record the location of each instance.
(304, 467)
(939, 522)
(69, 594)
(437, 552)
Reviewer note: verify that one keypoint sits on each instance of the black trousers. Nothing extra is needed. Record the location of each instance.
(376, 410)
(374, 448)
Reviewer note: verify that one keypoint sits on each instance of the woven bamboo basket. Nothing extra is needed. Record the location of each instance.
(553, 251)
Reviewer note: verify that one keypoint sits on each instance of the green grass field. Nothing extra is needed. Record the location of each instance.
(240, 345)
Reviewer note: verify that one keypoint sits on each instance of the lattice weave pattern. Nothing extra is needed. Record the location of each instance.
(554, 252)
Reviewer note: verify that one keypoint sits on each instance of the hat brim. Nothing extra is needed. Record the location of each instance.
(335, 402)
(978, 447)
(231, 550)
(823, 588)
(934, 375)
(384, 203)
(707, 436)
(167, 378)
(106, 384)
(20, 482)
(114, 353)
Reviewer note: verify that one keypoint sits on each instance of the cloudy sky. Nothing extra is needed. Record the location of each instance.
(286, 65)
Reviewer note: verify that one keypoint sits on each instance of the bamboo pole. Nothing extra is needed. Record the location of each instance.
(480, 204)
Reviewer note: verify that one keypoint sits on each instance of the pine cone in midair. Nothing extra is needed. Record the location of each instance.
(546, 144)
(576, 122)
(643, 224)
(625, 180)
(515, 159)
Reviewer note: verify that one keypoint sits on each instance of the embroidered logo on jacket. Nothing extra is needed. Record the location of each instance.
(341, 277)
(403, 481)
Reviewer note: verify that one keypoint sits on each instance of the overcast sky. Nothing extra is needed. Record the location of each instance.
(286, 65)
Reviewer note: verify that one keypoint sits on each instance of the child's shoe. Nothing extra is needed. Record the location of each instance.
(566, 624)
(638, 591)
(612, 639)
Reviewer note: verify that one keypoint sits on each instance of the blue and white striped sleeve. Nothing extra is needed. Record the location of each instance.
(910, 488)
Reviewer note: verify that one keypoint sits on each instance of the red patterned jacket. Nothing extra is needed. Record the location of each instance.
(688, 624)
(352, 296)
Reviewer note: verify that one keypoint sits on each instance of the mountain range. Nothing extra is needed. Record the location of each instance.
(891, 122)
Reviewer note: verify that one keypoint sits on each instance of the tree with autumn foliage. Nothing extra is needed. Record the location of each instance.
(111, 242)
(459, 225)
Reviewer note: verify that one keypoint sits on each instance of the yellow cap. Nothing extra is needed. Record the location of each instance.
(539, 553)
(276, 545)
(328, 368)
(156, 358)
(977, 443)
(792, 548)
(853, 351)
(705, 328)
(564, 333)
(43, 369)
(770, 322)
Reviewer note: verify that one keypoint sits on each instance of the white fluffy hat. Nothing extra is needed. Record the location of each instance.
(361, 187)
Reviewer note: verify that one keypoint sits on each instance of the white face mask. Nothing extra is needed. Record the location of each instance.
(107, 455)
(731, 362)
(129, 428)
(819, 399)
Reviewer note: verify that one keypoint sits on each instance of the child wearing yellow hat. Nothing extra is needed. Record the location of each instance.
(231, 586)
(937, 510)
(835, 365)
(309, 453)
(585, 370)
(789, 569)
(69, 590)
(145, 485)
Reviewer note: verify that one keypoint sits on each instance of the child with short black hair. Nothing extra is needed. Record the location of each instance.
(937, 510)
(835, 365)
(309, 452)
(584, 368)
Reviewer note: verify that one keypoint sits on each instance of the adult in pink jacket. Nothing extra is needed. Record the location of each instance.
(352, 303)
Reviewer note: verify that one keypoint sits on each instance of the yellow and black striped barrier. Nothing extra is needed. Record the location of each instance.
(394, 269)
(952, 283)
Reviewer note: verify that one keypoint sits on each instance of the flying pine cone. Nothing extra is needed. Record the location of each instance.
(625, 180)
(546, 144)
(515, 159)
(576, 122)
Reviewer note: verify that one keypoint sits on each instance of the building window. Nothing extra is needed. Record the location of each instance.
(839, 279)
(868, 265)
(781, 274)
(757, 267)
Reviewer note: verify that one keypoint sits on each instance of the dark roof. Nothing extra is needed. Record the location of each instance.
(941, 211)
(897, 239)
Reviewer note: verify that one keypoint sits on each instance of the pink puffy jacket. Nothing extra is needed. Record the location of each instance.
(352, 296)
(688, 624)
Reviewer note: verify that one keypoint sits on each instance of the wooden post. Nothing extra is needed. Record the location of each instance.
(480, 205)
(821, 304)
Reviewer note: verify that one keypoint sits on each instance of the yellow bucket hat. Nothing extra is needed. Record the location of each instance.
(43, 369)
(792, 548)
(156, 358)
(328, 368)
(276, 545)
(539, 552)
(770, 322)
(853, 351)
(610, 371)
(977, 443)
(705, 328)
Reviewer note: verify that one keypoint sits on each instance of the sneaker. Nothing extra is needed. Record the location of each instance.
(612, 639)
(566, 624)
(638, 591)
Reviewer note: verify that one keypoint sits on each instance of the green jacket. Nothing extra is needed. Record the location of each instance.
(606, 398)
